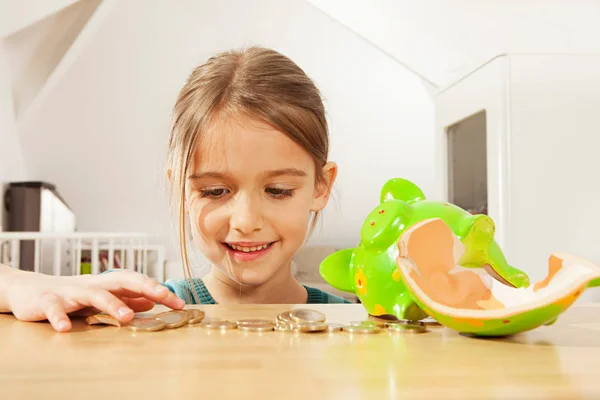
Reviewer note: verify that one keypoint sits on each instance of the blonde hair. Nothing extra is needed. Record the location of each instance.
(256, 82)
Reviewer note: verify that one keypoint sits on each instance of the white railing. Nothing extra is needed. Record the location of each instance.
(74, 253)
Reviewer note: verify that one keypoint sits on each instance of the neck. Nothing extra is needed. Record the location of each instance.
(282, 288)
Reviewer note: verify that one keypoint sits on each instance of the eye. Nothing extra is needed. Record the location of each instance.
(213, 193)
(279, 193)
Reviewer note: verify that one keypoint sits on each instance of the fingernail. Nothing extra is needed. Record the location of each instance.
(63, 325)
(123, 311)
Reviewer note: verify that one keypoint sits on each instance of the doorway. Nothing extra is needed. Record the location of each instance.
(467, 164)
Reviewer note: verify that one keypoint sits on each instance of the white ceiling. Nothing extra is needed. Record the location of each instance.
(443, 39)
(439, 40)
(34, 50)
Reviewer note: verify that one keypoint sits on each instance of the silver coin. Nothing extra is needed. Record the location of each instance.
(174, 319)
(301, 315)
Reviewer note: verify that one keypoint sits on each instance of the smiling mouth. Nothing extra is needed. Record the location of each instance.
(248, 249)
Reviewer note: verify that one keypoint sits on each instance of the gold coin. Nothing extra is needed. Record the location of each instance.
(254, 322)
(146, 325)
(102, 319)
(404, 327)
(222, 325)
(174, 319)
(256, 327)
(302, 315)
(195, 315)
(406, 322)
(311, 327)
(284, 317)
(362, 329)
(283, 328)
(332, 327)
(380, 324)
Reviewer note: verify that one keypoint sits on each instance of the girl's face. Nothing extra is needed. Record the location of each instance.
(249, 195)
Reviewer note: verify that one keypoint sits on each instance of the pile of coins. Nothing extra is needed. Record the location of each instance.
(297, 320)
(166, 320)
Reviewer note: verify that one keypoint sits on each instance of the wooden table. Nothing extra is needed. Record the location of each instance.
(105, 362)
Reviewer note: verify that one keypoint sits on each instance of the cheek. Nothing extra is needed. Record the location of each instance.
(291, 221)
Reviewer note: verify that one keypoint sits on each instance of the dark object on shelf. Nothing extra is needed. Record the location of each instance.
(35, 206)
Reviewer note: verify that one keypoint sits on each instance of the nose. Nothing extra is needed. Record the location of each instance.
(246, 216)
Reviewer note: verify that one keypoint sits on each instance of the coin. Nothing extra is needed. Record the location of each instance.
(284, 317)
(311, 327)
(254, 322)
(363, 329)
(306, 315)
(195, 316)
(146, 325)
(404, 327)
(174, 319)
(102, 319)
(255, 325)
(222, 325)
(283, 328)
(380, 324)
(333, 327)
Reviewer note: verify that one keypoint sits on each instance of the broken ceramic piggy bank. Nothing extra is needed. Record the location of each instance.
(370, 270)
(419, 258)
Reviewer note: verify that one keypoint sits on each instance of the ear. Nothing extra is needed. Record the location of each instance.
(323, 191)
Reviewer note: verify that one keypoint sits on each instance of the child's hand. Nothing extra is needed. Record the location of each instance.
(120, 294)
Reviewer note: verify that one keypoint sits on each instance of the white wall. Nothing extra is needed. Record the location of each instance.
(12, 165)
(555, 195)
(101, 134)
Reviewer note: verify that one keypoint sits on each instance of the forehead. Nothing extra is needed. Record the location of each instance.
(244, 146)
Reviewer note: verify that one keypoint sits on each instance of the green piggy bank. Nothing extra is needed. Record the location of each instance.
(370, 270)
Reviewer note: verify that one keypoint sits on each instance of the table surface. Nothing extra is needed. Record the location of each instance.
(558, 361)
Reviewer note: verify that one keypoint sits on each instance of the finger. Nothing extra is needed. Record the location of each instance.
(138, 285)
(139, 304)
(102, 300)
(55, 313)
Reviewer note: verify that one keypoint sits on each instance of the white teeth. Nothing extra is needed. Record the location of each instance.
(248, 249)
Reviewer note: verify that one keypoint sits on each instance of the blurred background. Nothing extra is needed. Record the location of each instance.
(489, 104)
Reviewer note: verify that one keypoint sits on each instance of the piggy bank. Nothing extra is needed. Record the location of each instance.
(370, 270)
(419, 258)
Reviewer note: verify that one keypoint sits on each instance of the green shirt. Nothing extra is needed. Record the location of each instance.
(183, 290)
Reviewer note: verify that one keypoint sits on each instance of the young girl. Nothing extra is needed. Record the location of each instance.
(249, 176)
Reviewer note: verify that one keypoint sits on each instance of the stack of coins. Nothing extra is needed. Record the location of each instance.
(166, 320)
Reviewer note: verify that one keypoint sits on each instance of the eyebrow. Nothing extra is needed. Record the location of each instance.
(268, 174)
